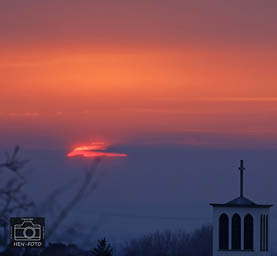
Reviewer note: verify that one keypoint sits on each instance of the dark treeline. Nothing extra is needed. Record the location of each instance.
(166, 243)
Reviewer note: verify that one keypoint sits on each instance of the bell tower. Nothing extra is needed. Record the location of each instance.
(241, 225)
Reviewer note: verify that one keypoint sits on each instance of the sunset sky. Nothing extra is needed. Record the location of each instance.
(171, 83)
(133, 69)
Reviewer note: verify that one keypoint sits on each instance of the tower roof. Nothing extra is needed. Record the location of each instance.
(242, 201)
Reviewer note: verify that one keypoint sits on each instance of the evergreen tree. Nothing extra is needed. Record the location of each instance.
(102, 249)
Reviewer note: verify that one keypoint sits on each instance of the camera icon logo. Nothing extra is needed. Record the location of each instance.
(27, 232)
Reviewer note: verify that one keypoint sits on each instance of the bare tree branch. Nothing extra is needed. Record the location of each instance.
(76, 199)
(12, 199)
(13, 163)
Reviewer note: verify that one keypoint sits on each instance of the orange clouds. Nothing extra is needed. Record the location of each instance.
(117, 93)
(192, 72)
(121, 69)
(106, 88)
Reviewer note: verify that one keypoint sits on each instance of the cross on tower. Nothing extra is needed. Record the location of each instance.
(241, 168)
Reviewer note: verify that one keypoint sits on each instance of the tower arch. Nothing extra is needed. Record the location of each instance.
(248, 232)
(236, 232)
(223, 232)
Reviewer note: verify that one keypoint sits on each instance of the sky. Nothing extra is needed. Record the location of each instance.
(170, 77)
(121, 69)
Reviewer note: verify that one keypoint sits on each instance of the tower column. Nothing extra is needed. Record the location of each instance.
(242, 232)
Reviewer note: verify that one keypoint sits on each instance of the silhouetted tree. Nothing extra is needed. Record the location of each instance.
(102, 249)
(79, 195)
(12, 199)
(14, 202)
(168, 243)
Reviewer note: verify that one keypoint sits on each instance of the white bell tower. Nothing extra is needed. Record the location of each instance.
(241, 227)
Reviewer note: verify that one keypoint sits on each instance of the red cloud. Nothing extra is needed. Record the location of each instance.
(95, 149)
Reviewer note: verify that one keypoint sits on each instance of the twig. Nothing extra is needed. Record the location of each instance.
(79, 195)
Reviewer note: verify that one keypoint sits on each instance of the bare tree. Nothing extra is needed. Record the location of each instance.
(13, 201)
(169, 243)
(81, 192)
(12, 198)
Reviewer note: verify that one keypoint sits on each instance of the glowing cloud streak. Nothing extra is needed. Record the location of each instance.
(96, 149)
